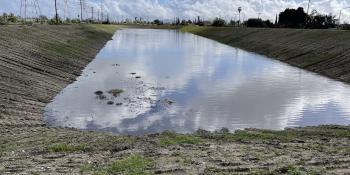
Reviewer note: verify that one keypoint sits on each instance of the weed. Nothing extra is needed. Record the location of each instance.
(132, 165)
(170, 138)
(115, 92)
(62, 147)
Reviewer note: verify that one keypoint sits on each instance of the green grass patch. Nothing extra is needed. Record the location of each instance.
(63, 147)
(131, 165)
(103, 27)
(170, 138)
(192, 29)
(260, 135)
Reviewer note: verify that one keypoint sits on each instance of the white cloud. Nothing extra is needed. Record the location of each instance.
(168, 9)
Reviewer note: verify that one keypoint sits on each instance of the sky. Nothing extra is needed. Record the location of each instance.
(169, 9)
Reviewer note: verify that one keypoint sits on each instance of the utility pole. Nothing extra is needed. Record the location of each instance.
(101, 11)
(25, 10)
(308, 7)
(98, 15)
(56, 11)
(65, 9)
(20, 10)
(261, 10)
(239, 18)
(36, 7)
(92, 13)
(81, 10)
(29, 8)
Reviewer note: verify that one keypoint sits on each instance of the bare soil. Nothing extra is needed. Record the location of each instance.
(37, 62)
(326, 52)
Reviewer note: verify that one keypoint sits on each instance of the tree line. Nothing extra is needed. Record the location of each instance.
(289, 18)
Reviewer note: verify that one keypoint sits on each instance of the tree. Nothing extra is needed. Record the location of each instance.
(157, 22)
(293, 18)
(319, 21)
(199, 21)
(218, 22)
(257, 22)
(2, 20)
(12, 18)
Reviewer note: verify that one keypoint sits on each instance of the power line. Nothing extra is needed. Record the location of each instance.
(29, 9)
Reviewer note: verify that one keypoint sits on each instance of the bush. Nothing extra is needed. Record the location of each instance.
(255, 22)
(12, 18)
(345, 27)
(2, 20)
(158, 22)
(218, 22)
(320, 21)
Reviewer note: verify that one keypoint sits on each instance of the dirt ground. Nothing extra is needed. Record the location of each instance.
(326, 52)
(37, 62)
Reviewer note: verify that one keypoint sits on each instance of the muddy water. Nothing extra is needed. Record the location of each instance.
(181, 82)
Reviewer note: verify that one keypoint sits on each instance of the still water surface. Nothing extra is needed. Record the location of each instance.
(185, 82)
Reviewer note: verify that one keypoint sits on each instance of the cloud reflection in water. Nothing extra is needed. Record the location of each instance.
(213, 86)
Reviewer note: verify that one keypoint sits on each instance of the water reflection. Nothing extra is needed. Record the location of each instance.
(212, 85)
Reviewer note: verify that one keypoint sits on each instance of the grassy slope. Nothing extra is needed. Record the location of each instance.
(37, 62)
(323, 51)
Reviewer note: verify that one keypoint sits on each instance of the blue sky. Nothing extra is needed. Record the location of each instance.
(168, 9)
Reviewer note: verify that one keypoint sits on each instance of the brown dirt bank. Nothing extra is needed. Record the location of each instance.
(322, 51)
(37, 62)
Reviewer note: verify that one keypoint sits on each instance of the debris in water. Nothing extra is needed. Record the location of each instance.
(169, 102)
(115, 92)
(98, 92)
(158, 88)
(110, 102)
(102, 97)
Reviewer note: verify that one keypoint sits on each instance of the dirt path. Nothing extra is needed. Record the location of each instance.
(37, 62)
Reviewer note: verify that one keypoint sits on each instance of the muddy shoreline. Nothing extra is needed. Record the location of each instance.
(37, 62)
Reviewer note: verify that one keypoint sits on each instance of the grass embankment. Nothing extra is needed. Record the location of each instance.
(38, 62)
(322, 51)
